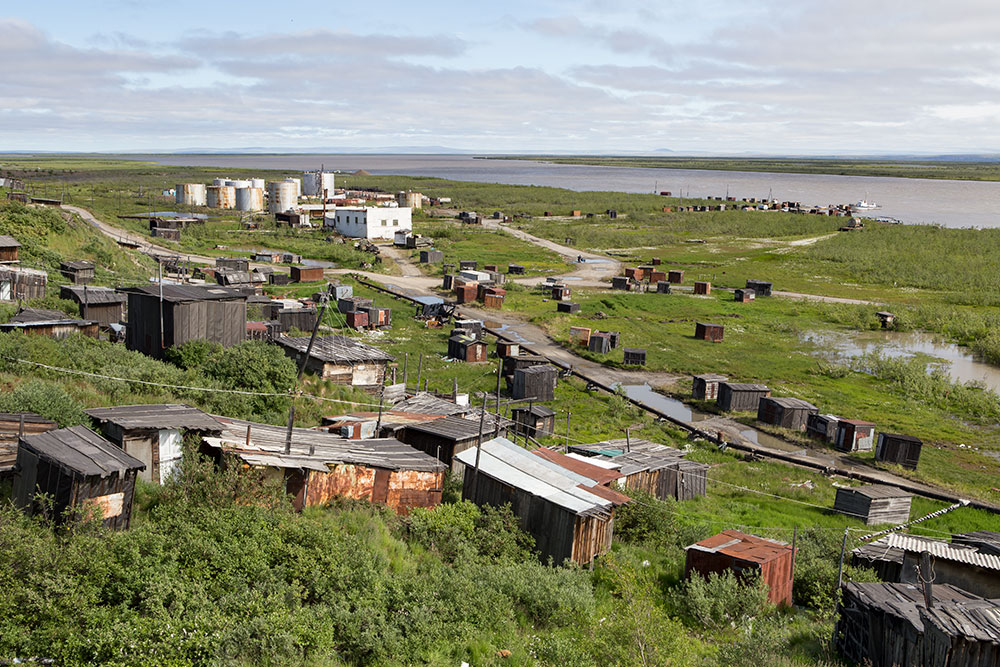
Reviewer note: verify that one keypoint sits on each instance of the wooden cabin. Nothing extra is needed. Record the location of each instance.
(705, 387)
(740, 397)
(515, 269)
(507, 348)
(791, 413)
(822, 427)
(890, 625)
(710, 332)
(12, 426)
(536, 382)
(760, 288)
(897, 448)
(744, 295)
(600, 343)
(468, 348)
(234, 263)
(560, 293)
(649, 466)
(854, 435)
(351, 304)
(78, 469)
(662, 287)
(570, 516)
(634, 356)
(534, 421)
(702, 287)
(342, 360)
(101, 304)
(739, 552)
(567, 307)
(9, 248)
(188, 312)
(52, 323)
(322, 467)
(306, 274)
(675, 276)
(874, 504)
(153, 434)
(20, 284)
(78, 272)
(431, 256)
(445, 437)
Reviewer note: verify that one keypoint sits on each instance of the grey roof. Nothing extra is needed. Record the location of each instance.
(537, 368)
(711, 377)
(514, 466)
(957, 612)
(81, 450)
(537, 411)
(451, 428)
(959, 553)
(987, 541)
(39, 315)
(8, 242)
(162, 416)
(877, 491)
(337, 349)
(426, 403)
(76, 265)
(186, 293)
(743, 386)
(633, 455)
(791, 403)
(94, 295)
(900, 436)
(267, 448)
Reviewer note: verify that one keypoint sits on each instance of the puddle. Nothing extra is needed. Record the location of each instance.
(958, 361)
(668, 406)
(319, 263)
(510, 332)
(570, 278)
(597, 261)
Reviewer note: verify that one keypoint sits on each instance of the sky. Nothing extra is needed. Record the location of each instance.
(723, 77)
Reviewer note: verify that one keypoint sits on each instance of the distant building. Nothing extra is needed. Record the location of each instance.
(101, 304)
(340, 359)
(51, 323)
(373, 223)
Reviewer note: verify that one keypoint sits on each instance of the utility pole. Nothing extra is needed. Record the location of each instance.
(479, 447)
(840, 569)
(496, 427)
(159, 275)
(298, 381)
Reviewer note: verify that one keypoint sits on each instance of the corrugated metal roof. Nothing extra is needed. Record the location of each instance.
(450, 427)
(337, 349)
(735, 544)
(39, 315)
(509, 464)
(429, 404)
(791, 403)
(595, 473)
(94, 295)
(156, 416)
(600, 461)
(76, 265)
(185, 293)
(81, 450)
(743, 386)
(945, 550)
(8, 242)
(879, 491)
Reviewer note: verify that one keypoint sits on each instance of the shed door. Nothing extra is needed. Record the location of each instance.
(142, 449)
(380, 492)
(6, 293)
(170, 453)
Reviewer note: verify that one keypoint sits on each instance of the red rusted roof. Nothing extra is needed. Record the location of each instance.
(735, 544)
(857, 422)
(607, 493)
(602, 476)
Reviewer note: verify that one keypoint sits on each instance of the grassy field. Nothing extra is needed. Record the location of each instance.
(468, 242)
(941, 169)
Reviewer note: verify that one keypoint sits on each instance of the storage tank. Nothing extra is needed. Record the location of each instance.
(281, 196)
(258, 183)
(240, 184)
(315, 182)
(249, 199)
(298, 186)
(220, 181)
(221, 196)
(190, 194)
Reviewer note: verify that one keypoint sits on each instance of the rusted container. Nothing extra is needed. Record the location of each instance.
(357, 319)
(675, 276)
(739, 552)
(657, 276)
(506, 348)
(579, 336)
(702, 287)
(493, 301)
(634, 273)
(467, 293)
(306, 274)
(706, 331)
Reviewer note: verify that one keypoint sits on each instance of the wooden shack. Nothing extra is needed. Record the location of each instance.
(507, 348)
(339, 359)
(600, 343)
(822, 427)
(350, 304)
(515, 269)
(738, 552)
(657, 276)
(464, 347)
(634, 273)
(234, 263)
(322, 467)
(710, 332)
(634, 356)
(649, 466)
(232, 277)
(854, 435)
(9, 248)
(101, 304)
(494, 298)
(874, 504)
(890, 625)
(705, 387)
(306, 274)
(188, 312)
(51, 323)
(12, 426)
(535, 382)
(675, 276)
(20, 284)
(662, 287)
(431, 256)
(567, 307)
(744, 295)
(791, 413)
(379, 318)
(897, 448)
(740, 397)
(153, 433)
(466, 293)
(279, 279)
(702, 287)
(568, 519)
(78, 272)
(623, 283)
(78, 469)
(444, 438)
(560, 293)
(534, 421)
(760, 288)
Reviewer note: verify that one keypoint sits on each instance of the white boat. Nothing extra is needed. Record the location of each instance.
(865, 204)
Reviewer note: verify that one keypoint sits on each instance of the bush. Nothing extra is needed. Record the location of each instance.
(255, 366)
(46, 399)
(192, 354)
(723, 600)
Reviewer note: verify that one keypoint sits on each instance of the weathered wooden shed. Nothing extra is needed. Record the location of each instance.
(321, 467)
(650, 466)
(234, 263)
(469, 326)
(579, 335)
(278, 279)
(740, 396)
(339, 359)
(570, 516)
(657, 276)
(306, 274)
(9, 248)
(303, 319)
(189, 312)
(744, 295)
(822, 427)
(535, 382)
(52, 323)
(351, 304)
(567, 307)
(468, 348)
(20, 284)
(634, 356)
(466, 293)
(78, 469)
(431, 256)
(467, 265)
(379, 318)
(662, 287)
(890, 625)
(79, 272)
(740, 553)
(623, 283)
(226, 277)
(634, 273)
(12, 425)
(874, 503)
(897, 448)
(599, 343)
(760, 288)
(101, 304)
(507, 348)
(426, 403)
(675, 276)
(152, 433)
(702, 287)
(494, 298)
(515, 269)
(560, 293)
(854, 435)
(534, 420)
(786, 412)
(707, 331)
(444, 438)
(705, 387)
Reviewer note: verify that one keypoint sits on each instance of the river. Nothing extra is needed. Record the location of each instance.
(911, 200)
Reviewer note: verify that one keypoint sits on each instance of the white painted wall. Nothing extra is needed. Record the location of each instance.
(374, 223)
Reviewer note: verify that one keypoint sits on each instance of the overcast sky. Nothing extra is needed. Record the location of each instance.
(719, 76)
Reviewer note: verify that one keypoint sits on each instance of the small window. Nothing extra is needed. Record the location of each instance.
(385, 223)
(395, 223)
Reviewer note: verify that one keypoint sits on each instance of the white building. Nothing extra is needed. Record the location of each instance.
(370, 222)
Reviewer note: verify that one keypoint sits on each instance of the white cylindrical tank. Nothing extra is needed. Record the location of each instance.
(220, 181)
(241, 183)
(258, 183)
(326, 182)
(315, 182)
(298, 186)
(281, 196)
(190, 194)
(221, 196)
(249, 199)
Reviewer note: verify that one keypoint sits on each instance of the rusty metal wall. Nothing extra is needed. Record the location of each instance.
(348, 481)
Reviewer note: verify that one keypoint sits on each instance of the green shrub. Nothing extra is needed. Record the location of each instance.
(47, 399)
(192, 354)
(722, 600)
